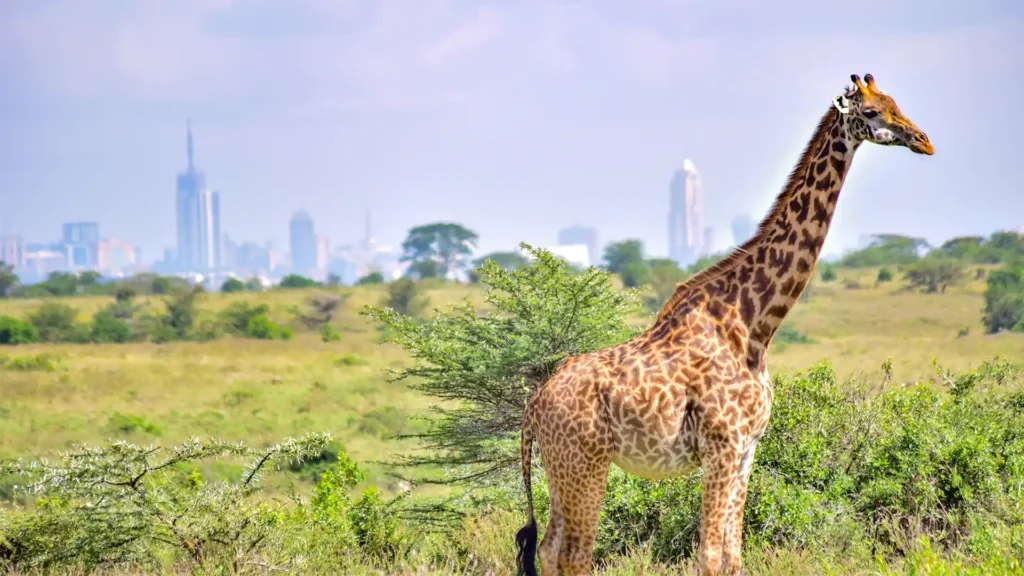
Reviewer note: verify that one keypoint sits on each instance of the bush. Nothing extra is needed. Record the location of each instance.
(296, 281)
(37, 363)
(109, 329)
(262, 328)
(884, 275)
(846, 470)
(828, 273)
(1004, 300)
(232, 285)
(14, 331)
(236, 317)
(329, 334)
(135, 508)
(373, 277)
(56, 322)
(404, 298)
(935, 274)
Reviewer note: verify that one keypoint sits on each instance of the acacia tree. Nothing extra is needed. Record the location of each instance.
(447, 243)
(481, 366)
(8, 279)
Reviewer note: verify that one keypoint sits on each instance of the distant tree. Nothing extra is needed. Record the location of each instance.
(161, 285)
(89, 278)
(320, 310)
(423, 269)
(828, 273)
(887, 250)
(61, 284)
(963, 247)
(374, 277)
(1004, 300)
(448, 243)
(232, 285)
(296, 281)
(124, 293)
(333, 280)
(884, 275)
(8, 279)
(509, 261)
(935, 273)
(619, 254)
(254, 285)
(404, 298)
(181, 306)
(665, 276)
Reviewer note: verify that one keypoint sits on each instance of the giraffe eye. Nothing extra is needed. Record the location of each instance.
(870, 113)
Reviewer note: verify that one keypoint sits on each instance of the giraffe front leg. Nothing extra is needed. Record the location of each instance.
(733, 561)
(720, 470)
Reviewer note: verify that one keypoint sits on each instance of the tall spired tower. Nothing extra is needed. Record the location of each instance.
(198, 214)
(685, 215)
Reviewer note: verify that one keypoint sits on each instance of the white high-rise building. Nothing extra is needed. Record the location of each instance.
(686, 215)
(198, 210)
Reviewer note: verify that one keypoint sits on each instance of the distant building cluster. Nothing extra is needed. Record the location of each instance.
(204, 253)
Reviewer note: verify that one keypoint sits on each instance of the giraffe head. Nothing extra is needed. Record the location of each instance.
(875, 117)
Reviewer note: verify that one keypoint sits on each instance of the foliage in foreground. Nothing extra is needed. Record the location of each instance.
(483, 365)
(914, 479)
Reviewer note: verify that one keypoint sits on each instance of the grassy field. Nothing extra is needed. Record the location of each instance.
(260, 391)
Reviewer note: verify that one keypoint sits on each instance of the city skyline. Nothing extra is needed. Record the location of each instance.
(408, 117)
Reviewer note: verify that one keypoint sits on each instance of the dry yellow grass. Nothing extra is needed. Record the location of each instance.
(261, 391)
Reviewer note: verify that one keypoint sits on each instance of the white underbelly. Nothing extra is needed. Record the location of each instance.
(659, 464)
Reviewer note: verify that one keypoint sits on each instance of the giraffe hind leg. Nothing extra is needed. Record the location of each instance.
(580, 495)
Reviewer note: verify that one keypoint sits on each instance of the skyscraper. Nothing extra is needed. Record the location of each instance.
(685, 215)
(302, 244)
(198, 210)
(80, 241)
(582, 235)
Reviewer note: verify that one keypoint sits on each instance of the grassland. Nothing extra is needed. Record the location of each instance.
(260, 391)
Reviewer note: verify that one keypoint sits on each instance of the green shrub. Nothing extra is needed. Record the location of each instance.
(1004, 300)
(404, 298)
(261, 328)
(847, 470)
(232, 285)
(40, 362)
(108, 328)
(828, 273)
(131, 423)
(56, 322)
(884, 275)
(237, 316)
(14, 331)
(329, 334)
(350, 360)
(373, 277)
(485, 363)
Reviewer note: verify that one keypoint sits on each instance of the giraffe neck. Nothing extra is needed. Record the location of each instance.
(763, 278)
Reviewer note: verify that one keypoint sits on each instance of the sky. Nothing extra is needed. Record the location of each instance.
(514, 118)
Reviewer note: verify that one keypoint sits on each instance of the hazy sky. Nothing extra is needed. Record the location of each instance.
(514, 117)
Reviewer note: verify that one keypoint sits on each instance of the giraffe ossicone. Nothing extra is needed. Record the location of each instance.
(693, 390)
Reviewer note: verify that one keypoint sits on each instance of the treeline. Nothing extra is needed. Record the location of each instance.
(180, 317)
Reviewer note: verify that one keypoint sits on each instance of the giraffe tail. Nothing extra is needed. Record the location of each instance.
(526, 538)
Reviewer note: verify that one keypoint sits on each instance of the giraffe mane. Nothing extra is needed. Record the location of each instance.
(685, 288)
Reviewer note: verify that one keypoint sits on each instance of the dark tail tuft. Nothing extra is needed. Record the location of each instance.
(526, 541)
(526, 538)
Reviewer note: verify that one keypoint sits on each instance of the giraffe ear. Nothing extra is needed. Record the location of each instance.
(842, 103)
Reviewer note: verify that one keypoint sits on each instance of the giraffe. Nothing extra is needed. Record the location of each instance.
(693, 390)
